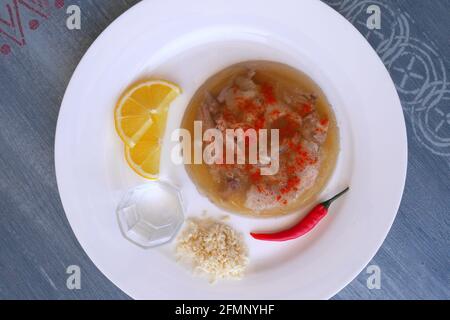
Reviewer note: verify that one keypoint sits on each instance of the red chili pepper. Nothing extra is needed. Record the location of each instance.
(303, 226)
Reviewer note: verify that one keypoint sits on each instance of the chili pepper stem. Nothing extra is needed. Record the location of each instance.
(327, 203)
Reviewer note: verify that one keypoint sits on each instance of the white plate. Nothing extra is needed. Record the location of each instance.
(186, 42)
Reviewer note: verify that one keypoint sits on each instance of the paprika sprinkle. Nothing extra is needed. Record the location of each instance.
(303, 226)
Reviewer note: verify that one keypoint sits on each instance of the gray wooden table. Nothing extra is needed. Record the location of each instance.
(37, 58)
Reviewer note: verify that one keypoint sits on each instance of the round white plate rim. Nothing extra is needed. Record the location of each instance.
(59, 144)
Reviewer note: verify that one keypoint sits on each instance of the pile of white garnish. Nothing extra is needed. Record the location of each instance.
(212, 248)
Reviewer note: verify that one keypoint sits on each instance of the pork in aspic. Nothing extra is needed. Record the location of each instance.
(246, 103)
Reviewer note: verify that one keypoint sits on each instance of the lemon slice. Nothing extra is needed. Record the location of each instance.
(141, 106)
(144, 156)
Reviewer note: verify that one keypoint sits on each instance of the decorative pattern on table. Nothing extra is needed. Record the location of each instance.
(416, 66)
(13, 23)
